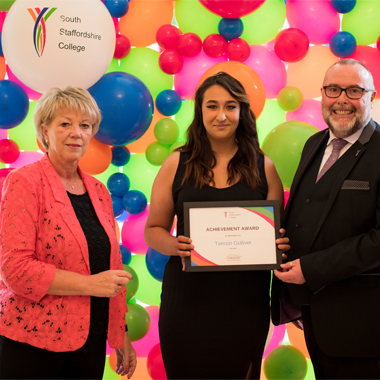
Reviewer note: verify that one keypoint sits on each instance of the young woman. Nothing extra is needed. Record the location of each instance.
(213, 325)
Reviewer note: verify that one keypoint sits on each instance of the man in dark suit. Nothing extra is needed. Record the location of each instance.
(332, 274)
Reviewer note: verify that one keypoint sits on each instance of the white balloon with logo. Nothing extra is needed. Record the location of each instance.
(57, 43)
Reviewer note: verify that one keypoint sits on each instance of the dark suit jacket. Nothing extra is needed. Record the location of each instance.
(342, 268)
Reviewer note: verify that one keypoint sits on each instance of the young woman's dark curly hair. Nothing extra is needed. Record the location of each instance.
(202, 160)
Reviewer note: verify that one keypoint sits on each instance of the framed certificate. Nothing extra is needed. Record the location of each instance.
(232, 236)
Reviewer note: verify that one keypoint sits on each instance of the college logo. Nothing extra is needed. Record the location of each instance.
(39, 32)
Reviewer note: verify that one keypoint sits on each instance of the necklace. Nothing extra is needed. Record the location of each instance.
(72, 186)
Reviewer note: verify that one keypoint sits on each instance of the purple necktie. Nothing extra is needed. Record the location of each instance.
(338, 145)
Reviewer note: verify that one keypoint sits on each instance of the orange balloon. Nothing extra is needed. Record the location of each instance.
(147, 138)
(117, 229)
(97, 158)
(307, 75)
(141, 372)
(3, 68)
(143, 19)
(40, 146)
(251, 81)
(112, 360)
(297, 339)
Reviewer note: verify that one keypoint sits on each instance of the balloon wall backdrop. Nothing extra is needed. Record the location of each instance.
(142, 61)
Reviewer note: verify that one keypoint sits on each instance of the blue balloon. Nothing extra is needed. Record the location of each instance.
(230, 28)
(126, 105)
(343, 6)
(125, 254)
(117, 205)
(155, 262)
(342, 44)
(134, 202)
(120, 155)
(168, 102)
(118, 184)
(14, 104)
(1, 48)
(117, 8)
(121, 218)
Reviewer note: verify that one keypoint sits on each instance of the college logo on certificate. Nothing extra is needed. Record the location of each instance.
(230, 236)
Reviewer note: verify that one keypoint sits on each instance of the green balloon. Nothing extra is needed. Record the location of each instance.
(132, 285)
(285, 362)
(363, 22)
(310, 375)
(271, 116)
(193, 17)
(141, 174)
(157, 153)
(5, 5)
(290, 98)
(166, 131)
(103, 177)
(25, 134)
(184, 117)
(2, 165)
(176, 145)
(114, 66)
(149, 291)
(109, 373)
(138, 321)
(142, 62)
(263, 24)
(284, 144)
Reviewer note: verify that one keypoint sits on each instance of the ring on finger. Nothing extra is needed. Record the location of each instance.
(291, 264)
(119, 289)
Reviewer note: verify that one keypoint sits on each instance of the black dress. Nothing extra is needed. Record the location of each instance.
(213, 324)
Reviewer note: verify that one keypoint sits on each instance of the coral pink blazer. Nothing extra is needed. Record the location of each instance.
(39, 233)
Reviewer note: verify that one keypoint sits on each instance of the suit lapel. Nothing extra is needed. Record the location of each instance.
(303, 166)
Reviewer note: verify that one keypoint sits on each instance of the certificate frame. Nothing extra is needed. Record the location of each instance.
(273, 218)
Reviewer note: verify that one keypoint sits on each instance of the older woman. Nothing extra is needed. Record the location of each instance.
(62, 288)
(213, 325)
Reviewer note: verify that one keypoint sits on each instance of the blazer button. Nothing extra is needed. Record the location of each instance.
(308, 200)
(297, 225)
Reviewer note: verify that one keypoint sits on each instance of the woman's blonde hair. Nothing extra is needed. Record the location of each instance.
(71, 97)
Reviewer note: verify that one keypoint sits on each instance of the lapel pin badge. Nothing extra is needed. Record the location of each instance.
(357, 152)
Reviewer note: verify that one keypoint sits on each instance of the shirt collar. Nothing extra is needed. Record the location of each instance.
(350, 139)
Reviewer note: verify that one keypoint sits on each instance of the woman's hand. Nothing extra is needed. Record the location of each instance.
(126, 358)
(282, 243)
(183, 248)
(108, 283)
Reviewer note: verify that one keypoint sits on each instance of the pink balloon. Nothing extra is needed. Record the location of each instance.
(27, 158)
(109, 349)
(317, 19)
(132, 232)
(185, 82)
(286, 197)
(2, 18)
(370, 57)
(155, 364)
(33, 95)
(3, 134)
(145, 344)
(270, 68)
(309, 112)
(277, 338)
(3, 175)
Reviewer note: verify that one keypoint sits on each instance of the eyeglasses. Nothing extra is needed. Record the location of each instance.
(351, 92)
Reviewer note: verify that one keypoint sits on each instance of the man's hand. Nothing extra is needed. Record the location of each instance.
(291, 273)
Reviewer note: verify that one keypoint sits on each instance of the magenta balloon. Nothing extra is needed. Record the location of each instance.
(3, 133)
(232, 8)
(33, 95)
(318, 19)
(27, 158)
(145, 344)
(155, 364)
(3, 175)
(277, 338)
(9, 151)
(185, 82)
(132, 232)
(270, 68)
(2, 18)
(309, 112)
